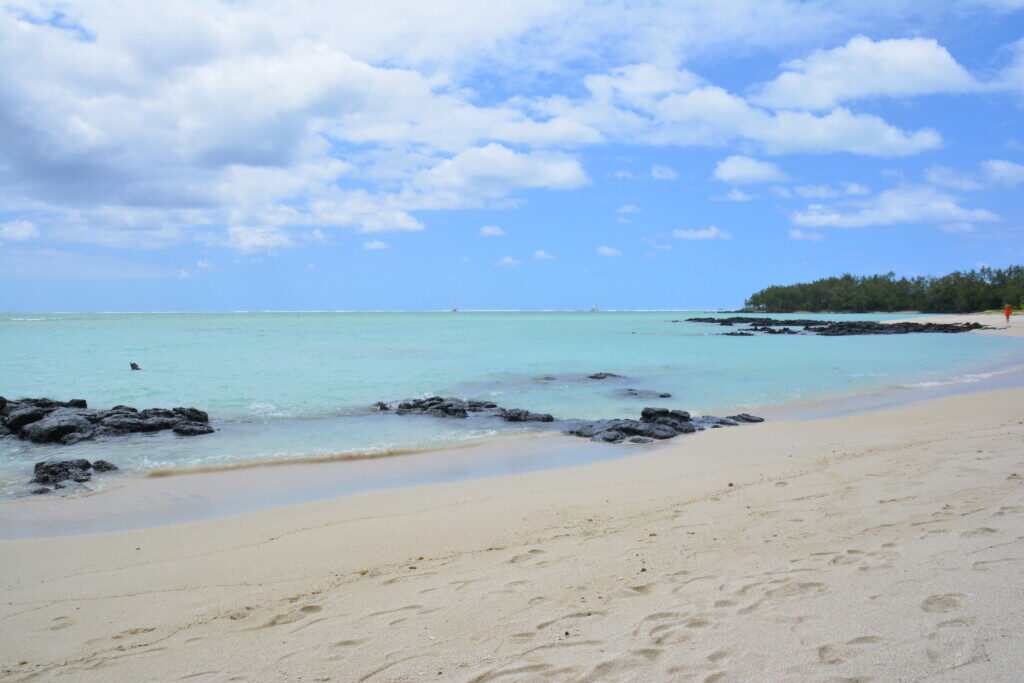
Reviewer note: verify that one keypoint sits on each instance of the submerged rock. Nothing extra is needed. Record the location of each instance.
(603, 375)
(643, 393)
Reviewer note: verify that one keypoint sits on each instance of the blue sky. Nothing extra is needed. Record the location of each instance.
(515, 155)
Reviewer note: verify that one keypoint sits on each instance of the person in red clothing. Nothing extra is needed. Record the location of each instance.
(1007, 311)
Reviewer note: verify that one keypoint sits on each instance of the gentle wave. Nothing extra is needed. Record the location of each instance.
(370, 454)
(27, 320)
(962, 379)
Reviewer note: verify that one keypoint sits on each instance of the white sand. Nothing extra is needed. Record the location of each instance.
(884, 545)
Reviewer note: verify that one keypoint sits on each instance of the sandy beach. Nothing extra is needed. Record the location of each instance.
(882, 545)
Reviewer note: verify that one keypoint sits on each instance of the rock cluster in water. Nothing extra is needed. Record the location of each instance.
(438, 406)
(56, 473)
(832, 328)
(43, 420)
(654, 423)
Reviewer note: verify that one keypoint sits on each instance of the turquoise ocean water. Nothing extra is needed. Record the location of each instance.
(283, 385)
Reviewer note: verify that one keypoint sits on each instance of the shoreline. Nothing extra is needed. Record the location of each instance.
(211, 492)
(846, 513)
(159, 498)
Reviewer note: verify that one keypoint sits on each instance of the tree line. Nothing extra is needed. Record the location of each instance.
(959, 292)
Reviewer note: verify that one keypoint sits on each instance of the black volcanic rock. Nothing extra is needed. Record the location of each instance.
(43, 420)
(654, 423)
(838, 328)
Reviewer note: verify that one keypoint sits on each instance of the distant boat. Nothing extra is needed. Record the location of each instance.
(455, 306)
(594, 308)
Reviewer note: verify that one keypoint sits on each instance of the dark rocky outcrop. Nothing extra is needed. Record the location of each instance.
(654, 423)
(438, 406)
(192, 428)
(602, 375)
(43, 420)
(55, 472)
(833, 328)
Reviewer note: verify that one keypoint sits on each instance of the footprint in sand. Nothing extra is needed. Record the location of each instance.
(839, 653)
(942, 603)
(59, 623)
(529, 555)
(292, 616)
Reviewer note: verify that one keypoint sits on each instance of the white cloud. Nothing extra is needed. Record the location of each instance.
(804, 236)
(609, 251)
(250, 240)
(990, 173)
(738, 169)
(623, 174)
(542, 255)
(947, 177)
(375, 244)
(508, 261)
(184, 274)
(1001, 172)
(709, 233)
(491, 231)
(663, 173)
(204, 264)
(494, 171)
(18, 231)
(910, 204)
(150, 129)
(628, 208)
(865, 68)
(736, 195)
(856, 189)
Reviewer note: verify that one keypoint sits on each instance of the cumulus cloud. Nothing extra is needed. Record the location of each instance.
(491, 231)
(805, 236)
(375, 245)
(609, 251)
(628, 208)
(204, 264)
(865, 68)
(738, 170)
(736, 195)
(250, 240)
(18, 231)
(494, 171)
(663, 173)
(990, 173)
(709, 233)
(508, 261)
(542, 255)
(829, 192)
(910, 204)
(259, 120)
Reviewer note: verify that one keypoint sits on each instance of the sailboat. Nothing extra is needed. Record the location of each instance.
(455, 306)
(594, 309)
